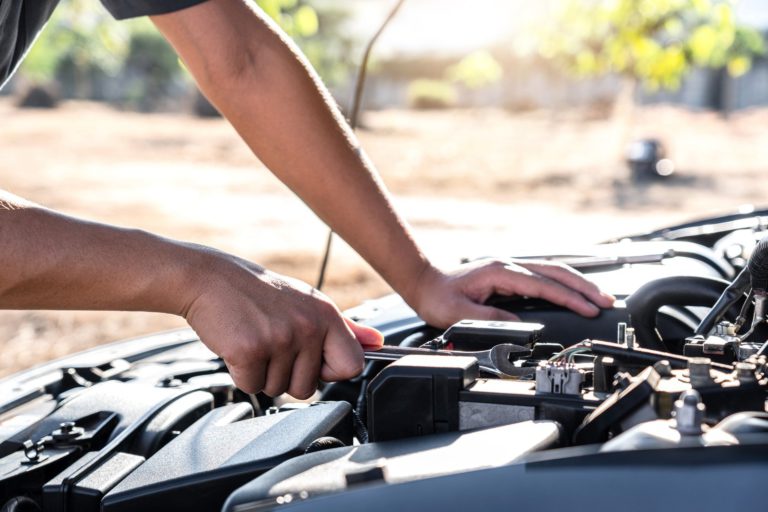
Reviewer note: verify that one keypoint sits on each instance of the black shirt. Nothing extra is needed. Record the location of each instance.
(22, 20)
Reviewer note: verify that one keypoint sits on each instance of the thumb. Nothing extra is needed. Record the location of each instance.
(342, 353)
(368, 337)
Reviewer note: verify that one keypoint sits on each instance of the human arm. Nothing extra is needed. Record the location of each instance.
(266, 89)
(273, 333)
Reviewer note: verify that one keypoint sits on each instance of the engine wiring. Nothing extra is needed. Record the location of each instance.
(567, 355)
(742, 318)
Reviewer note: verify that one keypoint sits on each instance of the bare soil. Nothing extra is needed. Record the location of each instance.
(470, 182)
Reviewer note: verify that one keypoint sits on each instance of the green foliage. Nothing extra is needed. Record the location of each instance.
(149, 70)
(318, 29)
(431, 94)
(83, 40)
(653, 41)
(476, 70)
(80, 32)
(298, 19)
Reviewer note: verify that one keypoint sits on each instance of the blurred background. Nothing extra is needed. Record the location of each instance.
(502, 127)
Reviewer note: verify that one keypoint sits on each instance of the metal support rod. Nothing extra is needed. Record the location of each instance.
(354, 115)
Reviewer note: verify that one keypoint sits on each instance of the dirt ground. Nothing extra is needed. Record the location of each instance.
(470, 182)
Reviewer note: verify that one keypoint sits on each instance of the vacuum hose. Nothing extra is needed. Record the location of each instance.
(758, 266)
(731, 295)
(754, 274)
(645, 302)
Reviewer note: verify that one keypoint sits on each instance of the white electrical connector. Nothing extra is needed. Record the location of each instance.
(559, 378)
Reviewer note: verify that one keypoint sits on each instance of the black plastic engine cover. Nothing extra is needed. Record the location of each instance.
(704, 479)
(198, 469)
(130, 401)
(82, 485)
(418, 395)
(392, 462)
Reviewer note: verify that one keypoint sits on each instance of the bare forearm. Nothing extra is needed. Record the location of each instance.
(275, 335)
(52, 261)
(267, 90)
(269, 94)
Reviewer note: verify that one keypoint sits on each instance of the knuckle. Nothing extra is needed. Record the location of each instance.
(280, 344)
(327, 309)
(497, 264)
(244, 347)
(250, 354)
(306, 324)
(515, 267)
(572, 300)
(280, 335)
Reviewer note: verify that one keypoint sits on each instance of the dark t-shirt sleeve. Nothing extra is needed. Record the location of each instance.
(122, 9)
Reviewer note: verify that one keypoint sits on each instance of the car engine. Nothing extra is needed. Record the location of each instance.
(658, 403)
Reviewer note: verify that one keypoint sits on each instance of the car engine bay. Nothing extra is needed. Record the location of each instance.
(656, 403)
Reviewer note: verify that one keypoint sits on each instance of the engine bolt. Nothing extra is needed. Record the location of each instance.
(622, 381)
(689, 413)
(67, 431)
(699, 372)
(629, 340)
(169, 382)
(745, 373)
(663, 368)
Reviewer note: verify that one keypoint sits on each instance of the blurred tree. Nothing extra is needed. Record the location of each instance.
(476, 70)
(81, 42)
(297, 18)
(426, 94)
(651, 42)
(318, 28)
(654, 42)
(150, 71)
(78, 42)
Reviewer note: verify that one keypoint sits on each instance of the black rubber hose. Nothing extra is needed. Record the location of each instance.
(758, 266)
(324, 443)
(417, 339)
(643, 305)
(731, 295)
(21, 504)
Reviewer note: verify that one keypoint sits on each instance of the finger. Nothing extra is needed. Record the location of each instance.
(368, 337)
(544, 288)
(305, 374)
(248, 378)
(576, 280)
(278, 375)
(342, 354)
(572, 279)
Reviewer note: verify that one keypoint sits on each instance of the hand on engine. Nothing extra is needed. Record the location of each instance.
(274, 333)
(443, 298)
